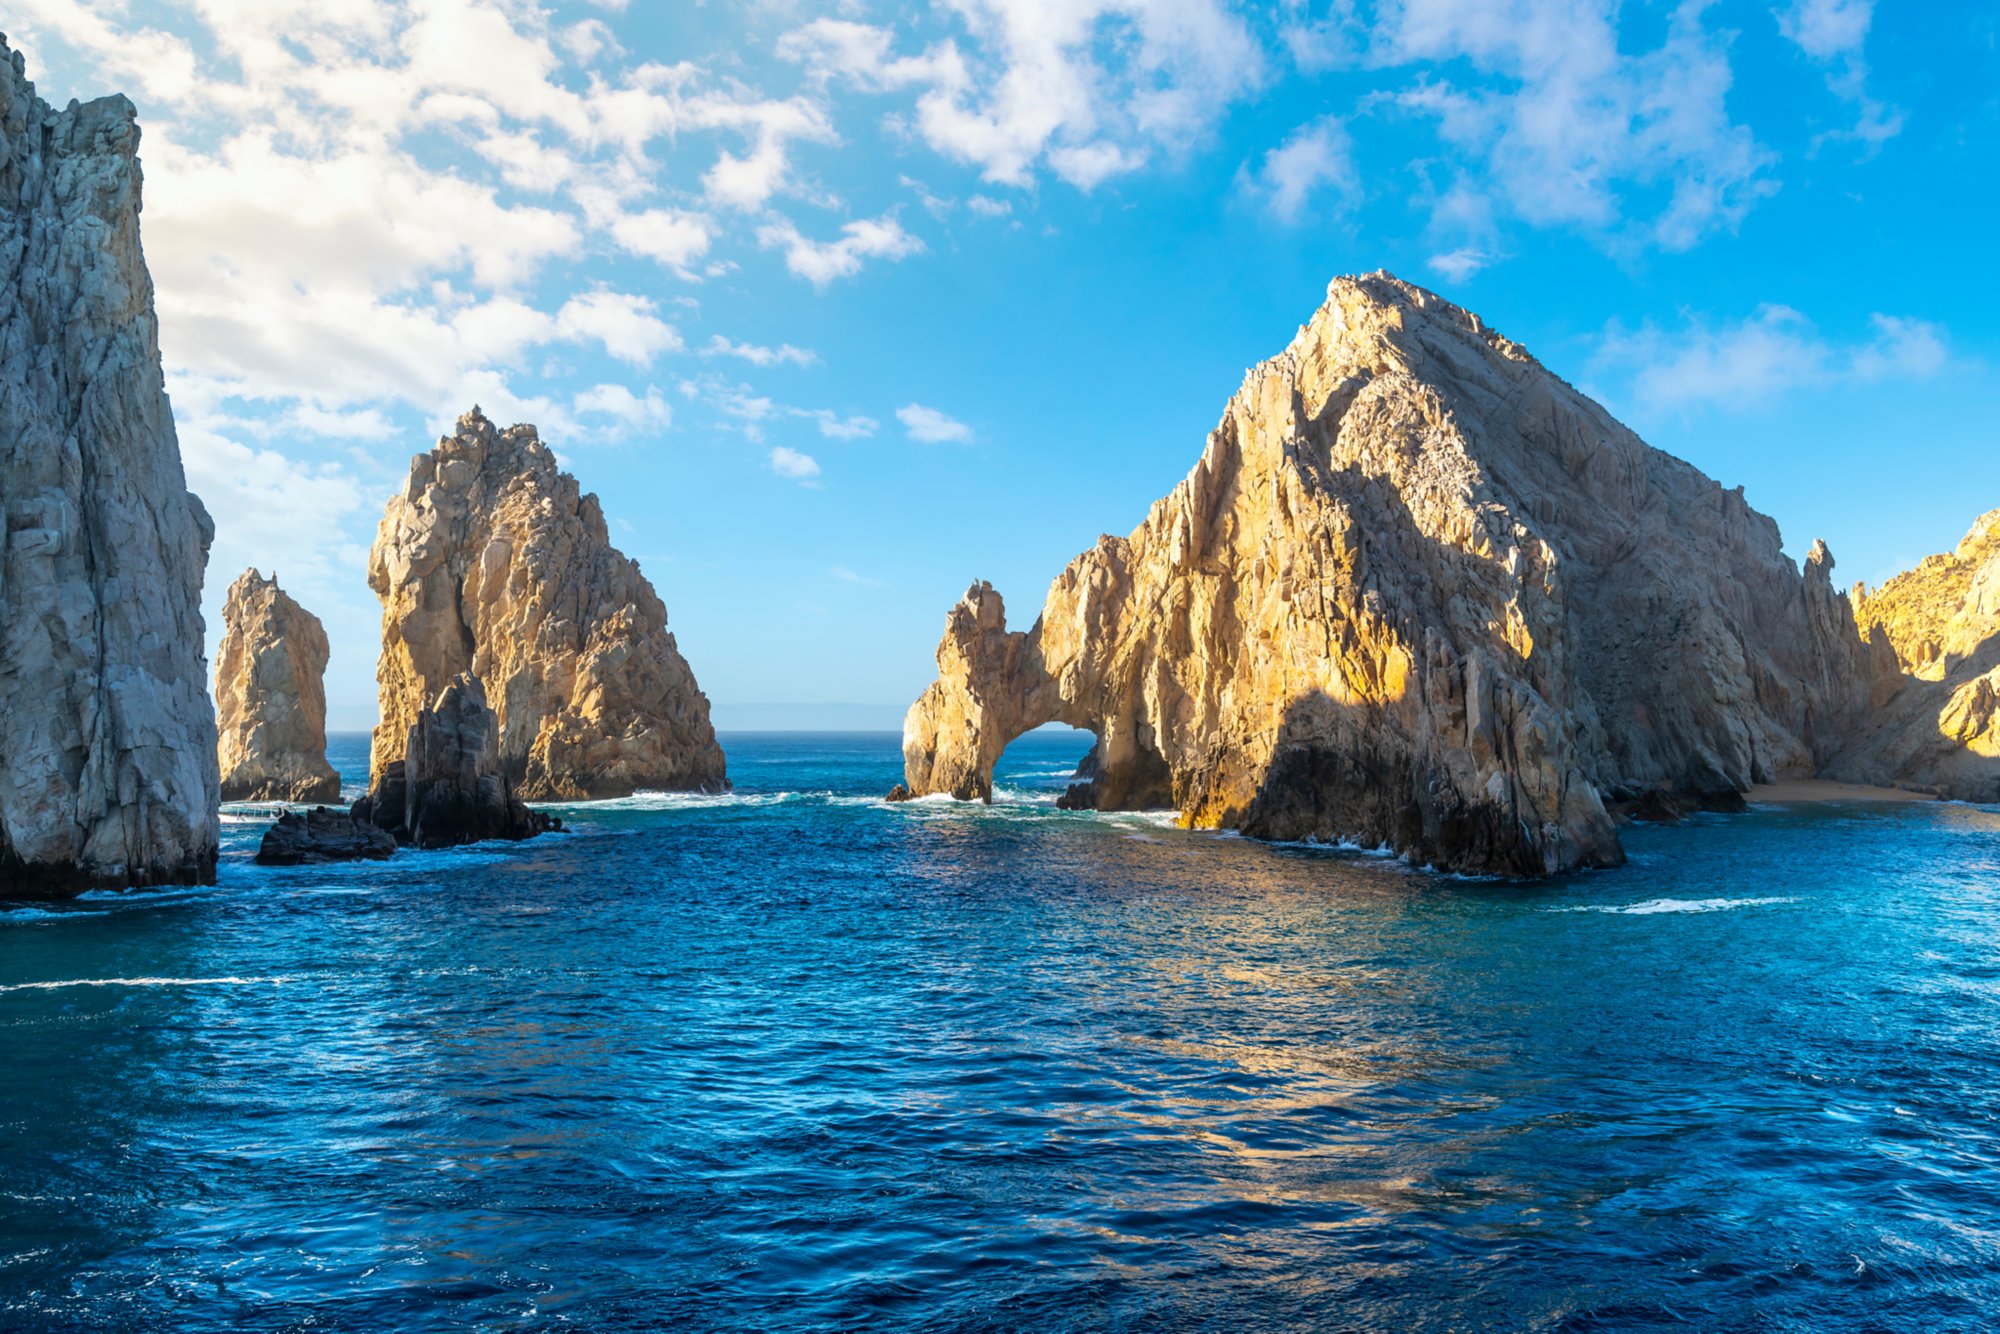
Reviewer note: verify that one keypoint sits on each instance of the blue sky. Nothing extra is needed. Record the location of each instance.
(840, 307)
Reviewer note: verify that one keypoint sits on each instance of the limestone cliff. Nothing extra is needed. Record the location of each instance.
(270, 697)
(1417, 592)
(449, 787)
(491, 562)
(1937, 721)
(107, 736)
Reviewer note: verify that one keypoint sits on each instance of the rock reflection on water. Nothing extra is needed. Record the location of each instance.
(805, 1060)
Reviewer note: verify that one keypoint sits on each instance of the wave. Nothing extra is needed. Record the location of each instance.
(33, 914)
(147, 982)
(1676, 905)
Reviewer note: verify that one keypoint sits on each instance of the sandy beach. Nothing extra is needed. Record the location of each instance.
(1812, 791)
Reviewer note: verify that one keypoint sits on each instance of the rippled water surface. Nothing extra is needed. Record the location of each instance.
(796, 1059)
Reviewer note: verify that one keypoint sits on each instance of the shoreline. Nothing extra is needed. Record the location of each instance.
(1819, 791)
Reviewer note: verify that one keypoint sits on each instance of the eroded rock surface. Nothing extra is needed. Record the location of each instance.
(1936, 633)
(107, 735)
(1417, 592)
(492, 563)
(270, 697)
(450, 786)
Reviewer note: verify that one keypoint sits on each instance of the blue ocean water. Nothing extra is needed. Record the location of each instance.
(796, 1059)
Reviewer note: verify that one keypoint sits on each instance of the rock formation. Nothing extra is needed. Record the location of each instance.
(450, 786)
(492, 563)
(1417, 592)
(320, 835)
(107, 736)
(270, 697)
(1936, 633)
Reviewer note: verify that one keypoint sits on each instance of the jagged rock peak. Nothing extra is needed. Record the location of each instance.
(107, 734)
(493, 562)
(270, 697)
(1416, 591)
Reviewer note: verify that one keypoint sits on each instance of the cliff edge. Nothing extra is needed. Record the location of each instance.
(107, 735)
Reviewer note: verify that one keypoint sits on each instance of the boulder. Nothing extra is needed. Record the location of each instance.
(320, 835)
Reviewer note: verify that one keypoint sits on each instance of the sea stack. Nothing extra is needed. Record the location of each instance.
(107, 735)
(270, 697)
(492, 563)
(449, 786)
(1418, 592)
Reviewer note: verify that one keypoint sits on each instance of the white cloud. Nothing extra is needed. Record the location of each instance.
(929, 426)
(1090, 88)
(749, 182)
(1834, 33)
(674, 238)
(847, 576)
(758, 355)
(270, 507)
(1755, 360)
(618, 402)
(791, 463)
(1571, 129)
(836, 427)
(988, 207)
(1316, 160)
(1460, 264)
(1826, 29)
(820, 262)
(1902, 347)
(588, 39)
(623, 323)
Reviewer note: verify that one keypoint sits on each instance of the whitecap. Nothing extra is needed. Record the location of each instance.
(147, 982)
(38, 914)
(1676, 905)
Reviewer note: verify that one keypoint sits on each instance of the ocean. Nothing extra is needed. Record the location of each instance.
(793, 1058)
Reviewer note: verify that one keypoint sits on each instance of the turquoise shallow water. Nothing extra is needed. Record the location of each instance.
(794, 1059)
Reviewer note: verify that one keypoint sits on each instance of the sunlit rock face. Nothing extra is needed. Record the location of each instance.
(1417, 592)
(491, 562)
(270, 697)
(1937, 724)
(107, 736)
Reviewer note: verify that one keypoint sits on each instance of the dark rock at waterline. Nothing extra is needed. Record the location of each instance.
(900, 792)
(449, 789)
(1659, 805)
(322, 835)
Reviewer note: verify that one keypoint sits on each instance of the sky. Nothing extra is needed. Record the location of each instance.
(840, 307)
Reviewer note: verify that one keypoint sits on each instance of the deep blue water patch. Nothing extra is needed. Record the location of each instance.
(794, 1058)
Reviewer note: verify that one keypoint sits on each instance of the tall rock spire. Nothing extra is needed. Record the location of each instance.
(492, 562)
(107, 735)
(270, 697)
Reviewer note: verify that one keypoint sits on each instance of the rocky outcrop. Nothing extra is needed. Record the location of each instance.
(1935, 631)
(270, 697)
(107, 736)
(491, 562)
(450, 787)
(319, 836)
(1417, 592)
